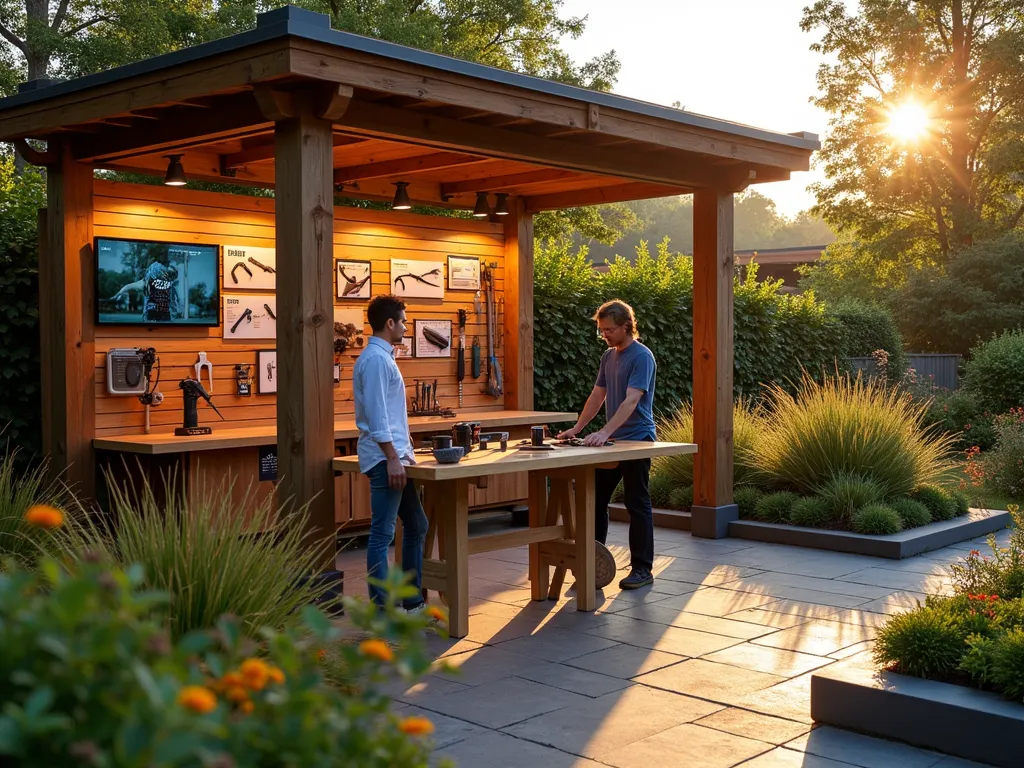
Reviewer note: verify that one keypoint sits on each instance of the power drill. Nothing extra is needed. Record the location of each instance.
(192, 390)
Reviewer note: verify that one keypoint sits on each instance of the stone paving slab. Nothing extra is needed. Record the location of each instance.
(706, 680)
(791, 700)
(860, 750)
(625, 661)
(494, 749)
(686, 745)
(821, 638)
(741, 722)
(573, 679)
(682, 642)
(716, 601)
(915, 582)
(659, 614)
(503, 702)
(447, 730)
(553, 644)
(840, 586)
(780, 757)
(772, 660)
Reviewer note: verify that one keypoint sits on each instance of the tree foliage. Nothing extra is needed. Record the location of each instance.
(962, 61)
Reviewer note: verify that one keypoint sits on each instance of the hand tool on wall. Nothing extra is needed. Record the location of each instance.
(435, 338)
(476, 359)
(433, 393)
(493, 367)
(235, 269)
(420, 278)
(192, 390)
(264, 267)
(270, 312)
(247, 315)
(204, 363)
(460, 368)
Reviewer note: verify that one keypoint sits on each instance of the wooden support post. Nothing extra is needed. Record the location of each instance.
(584, 488)
(712, 363)
(305, 315)
(539, 501)
(67, 323)
(518, 320)
(454, 520)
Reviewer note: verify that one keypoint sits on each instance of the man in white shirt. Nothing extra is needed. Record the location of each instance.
(385, 448)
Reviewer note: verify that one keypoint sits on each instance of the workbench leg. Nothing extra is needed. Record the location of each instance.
(586, 599)
(538, 569)
(568, 514)
(452, 508)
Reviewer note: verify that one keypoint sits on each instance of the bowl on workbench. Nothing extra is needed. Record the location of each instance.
(451, 455)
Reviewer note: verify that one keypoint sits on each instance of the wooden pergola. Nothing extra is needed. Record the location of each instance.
(314, 113)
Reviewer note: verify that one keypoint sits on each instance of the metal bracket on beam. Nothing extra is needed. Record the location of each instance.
(33, 155)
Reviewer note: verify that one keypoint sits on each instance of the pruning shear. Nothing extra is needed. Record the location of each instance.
(204, 363)
(399, 280)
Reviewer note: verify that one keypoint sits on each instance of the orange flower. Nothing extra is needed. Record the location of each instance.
(237, 694)
(437, 614)
(247, 707)
(255, 674)
(275, 675)
(320, 654)
(231, 679)
(376, 649)
(44, 516)
(416, 726)
(197, 698)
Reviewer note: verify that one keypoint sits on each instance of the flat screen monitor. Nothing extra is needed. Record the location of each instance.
(144, 282)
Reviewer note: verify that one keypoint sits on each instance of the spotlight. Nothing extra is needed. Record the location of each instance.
(401, 201)
(481, 209)
(501, 204)
(175, 176)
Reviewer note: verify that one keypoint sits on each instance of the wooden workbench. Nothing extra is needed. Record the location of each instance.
(561, 532)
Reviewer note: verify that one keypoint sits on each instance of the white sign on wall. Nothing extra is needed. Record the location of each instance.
(249, 268)
(417, 279)
(250, 316)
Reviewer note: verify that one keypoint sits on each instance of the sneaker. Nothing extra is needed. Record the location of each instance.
(423, 608)
(638, 577)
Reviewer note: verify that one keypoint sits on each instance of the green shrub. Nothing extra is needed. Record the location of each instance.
(848, 425)
(89, 676)
(977, 662)
(995, 372)
(938, 502)
(923, 642)
(746, 498)
(747, 424)
(913, 514)
(22, 487)
(960, 414)
(876, 520)
(868, 327)
(1004, 465)
(1007, 670)
(660, 488)
(812, 512)
(845, 492)
(681, 498)
(1002, 572)
(961, 503)
(203, 552)
(775, 507)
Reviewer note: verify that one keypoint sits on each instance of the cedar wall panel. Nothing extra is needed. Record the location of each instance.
(162, 213)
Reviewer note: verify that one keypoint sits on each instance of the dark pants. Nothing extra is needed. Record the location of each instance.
(388, 504)
(634, 476)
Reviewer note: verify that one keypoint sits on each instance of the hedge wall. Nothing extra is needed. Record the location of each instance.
(776, 335)
(869, 327)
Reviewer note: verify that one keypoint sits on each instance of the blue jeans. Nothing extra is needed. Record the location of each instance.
(387, 504)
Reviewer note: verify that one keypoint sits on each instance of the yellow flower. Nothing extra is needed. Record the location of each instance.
(247, 707)
(237, 694)
(376, 649)
(437, 614)
(416, 726)
(44, 516)
(197, 698)
(255, 674)
(275, 674)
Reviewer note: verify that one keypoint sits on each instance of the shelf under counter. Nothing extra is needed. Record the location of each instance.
(344, 429)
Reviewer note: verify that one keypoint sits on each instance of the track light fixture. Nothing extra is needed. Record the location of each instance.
(501, 204)
(401, 201)
(482, 209)
(175, 176)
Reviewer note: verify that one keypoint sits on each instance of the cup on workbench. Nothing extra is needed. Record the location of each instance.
(441, 442)
(537, 435)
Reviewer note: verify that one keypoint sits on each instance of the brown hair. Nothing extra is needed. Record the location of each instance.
(620, 313)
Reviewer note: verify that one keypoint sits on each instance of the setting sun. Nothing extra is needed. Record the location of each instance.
(908, 122)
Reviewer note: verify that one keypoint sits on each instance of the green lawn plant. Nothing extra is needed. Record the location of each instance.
(938, 501)
(90, 676)
(660, 488)
(775, 507)
(746, 498)
(848, 424)
(811, 512)
(211, 554)
(681, 498)
(876, 520)
(844, 493)
(913, 514)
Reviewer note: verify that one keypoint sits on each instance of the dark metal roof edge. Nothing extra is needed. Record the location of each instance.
(385, 49)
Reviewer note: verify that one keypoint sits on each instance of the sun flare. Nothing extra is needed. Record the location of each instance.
(908, 122)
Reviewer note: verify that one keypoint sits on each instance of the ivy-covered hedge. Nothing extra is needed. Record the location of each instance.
(775, 334)
(870, 327)
(20, 406)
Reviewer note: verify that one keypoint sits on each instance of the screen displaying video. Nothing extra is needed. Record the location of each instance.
(142, 282)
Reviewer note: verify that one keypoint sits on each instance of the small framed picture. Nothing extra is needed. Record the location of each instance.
(353, 279)
(463, 273)
(404, 349)
(433, 338)
(412, 279)
(266, 371)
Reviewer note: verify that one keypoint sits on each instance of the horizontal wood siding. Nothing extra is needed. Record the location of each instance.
(161, 213)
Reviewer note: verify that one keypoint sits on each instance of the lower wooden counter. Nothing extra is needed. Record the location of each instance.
(206, 459)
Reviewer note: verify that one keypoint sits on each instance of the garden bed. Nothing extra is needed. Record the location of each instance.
(895, 546)
(956, 720)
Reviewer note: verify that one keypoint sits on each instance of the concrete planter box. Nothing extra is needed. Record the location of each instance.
(896, 546)
(968, 723)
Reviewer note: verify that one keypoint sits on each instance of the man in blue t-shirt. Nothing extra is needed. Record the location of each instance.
(625, 385)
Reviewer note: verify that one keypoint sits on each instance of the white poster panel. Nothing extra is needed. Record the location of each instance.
(250, 316)
(463, 273)
(417, 279)
(433, 338)
(352, 279)
(249, 268)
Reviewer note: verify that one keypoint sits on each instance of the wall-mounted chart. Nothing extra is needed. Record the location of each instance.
(433, 338)
(463, 273)
(249, 268)
(352, 278)
(417, 279)
(250, 316)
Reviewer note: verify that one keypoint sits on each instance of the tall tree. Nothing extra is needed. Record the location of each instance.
(925, 140)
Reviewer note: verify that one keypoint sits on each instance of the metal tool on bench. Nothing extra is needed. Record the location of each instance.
(460, 369)
(493, 366)
(204, 363)
(192, 390)
(425, 402)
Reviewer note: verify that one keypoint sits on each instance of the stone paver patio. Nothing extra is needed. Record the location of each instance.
(708, 668)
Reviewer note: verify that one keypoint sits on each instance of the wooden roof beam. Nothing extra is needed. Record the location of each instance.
(602, 195)
(498, 183)
(405, 166)
(265, 150)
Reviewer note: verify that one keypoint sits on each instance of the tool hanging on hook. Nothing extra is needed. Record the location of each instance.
(204, 363)
(493, 366)
(461, 365)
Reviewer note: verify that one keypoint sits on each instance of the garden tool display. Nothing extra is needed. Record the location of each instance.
(435, 338)
(493, 366)
(247, 315)
(262, 266)
(204, 363)
(460, 369)
(425, 402)
(235, 269)
(192, 390)
(270, 312)
(351, 284)
(475, 355)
